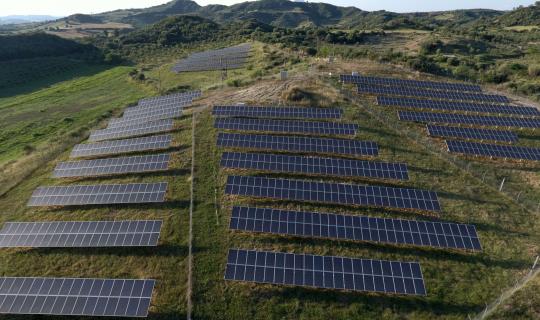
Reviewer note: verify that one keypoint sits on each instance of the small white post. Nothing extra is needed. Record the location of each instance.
(502, 184)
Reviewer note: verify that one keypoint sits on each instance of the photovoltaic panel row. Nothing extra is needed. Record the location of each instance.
(446, 95)
(326, 272)
(122, 146)
(471, 133)
(129, 233)
(315, 165)
(493, 150)
(297, 144)
(163, 114)
(98, 167)
(343, 194)
(76, 297)
(289, 126)
(98, 194)
(137, 112)
(356, 228)
(171, 97)
(277, 112)
(456, 106)
(468, 119)
(134, 130)
(409, 83)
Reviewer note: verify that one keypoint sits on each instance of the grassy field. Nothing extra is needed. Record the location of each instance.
(458, 283)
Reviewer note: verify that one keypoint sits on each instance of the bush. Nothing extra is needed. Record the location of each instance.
(311, 51)
(28, 149)
(534, 70)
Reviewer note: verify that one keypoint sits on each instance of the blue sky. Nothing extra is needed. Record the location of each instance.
(66, 7)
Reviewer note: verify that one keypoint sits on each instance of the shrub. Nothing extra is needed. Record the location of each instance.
(28, 149)
(534, 70)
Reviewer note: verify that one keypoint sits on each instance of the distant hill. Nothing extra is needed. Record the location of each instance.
(284, 13)
(83, 18)
(18, 19)
(522, 16)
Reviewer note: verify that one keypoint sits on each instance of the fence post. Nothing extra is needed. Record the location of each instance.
(502, 184)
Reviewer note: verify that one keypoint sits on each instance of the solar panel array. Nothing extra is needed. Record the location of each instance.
(81, 297)
(447, 95)
(298, 144)
(121, 146)
(179, 96)
(456, 106)
(141, 112)
(222, 59)
(286, 126)
(277, 112)
(493, 150)
(409, 83)
(471, 133)
(132, 233)
(132, 130)
(120, 165)
(322, 192)
(355, 228)
(315, 165)
(98, 194)
(469, 119)
(329, 272)
(175, 112)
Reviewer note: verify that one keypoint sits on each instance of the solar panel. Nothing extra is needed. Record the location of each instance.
(355, 228)
(129, 233)
(456, 106)
(81, 297)
(409, 83)
(98, 194)
(277, 112)
(493, 150)
(137, 112)
(297, 144)
(468, 119)
(289, 126)
(139, 129)
(138, 119)
(446, 95)
(343, 194)
(326, 272)
(471, 133)
(122, 146)
(315, 165)
(226, 58)
(171, 97)
(120, 165)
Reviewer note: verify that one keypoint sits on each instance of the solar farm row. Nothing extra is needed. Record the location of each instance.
(298, 144)
(171, 97)
(325, 272)
(70, 234)
(168, 113)
(277, 112)
(81, 297)
(337, 193)
(121, 146)
(456, 106)
(493, 150)
(134, 130)
(314, 165)
(222, 59)
(430, 117)
(120, 165)
(471, 133)
(355, 228)
(444, 95)
(409, 83)
(286, 126)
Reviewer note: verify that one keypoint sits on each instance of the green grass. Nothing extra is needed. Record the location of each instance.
(39, 125)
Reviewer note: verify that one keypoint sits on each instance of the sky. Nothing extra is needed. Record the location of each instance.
(67, 7)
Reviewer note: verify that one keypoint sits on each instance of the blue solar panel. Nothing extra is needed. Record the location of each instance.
(277, 112)
(297, 144)
(326, 272)
(471, 133)
(445, 95)
(343, 194)
(493, 150)
(456, 106)
(355, 228)
(289, 126)
(409, 83)
(468, 119)
(315, 165)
